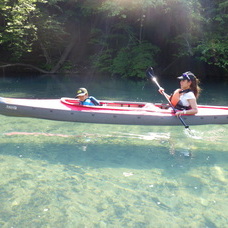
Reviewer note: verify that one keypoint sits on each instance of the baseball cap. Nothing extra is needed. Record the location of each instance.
(187, 76)
(81, 92)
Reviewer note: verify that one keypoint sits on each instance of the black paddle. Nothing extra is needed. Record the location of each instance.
(151, 76)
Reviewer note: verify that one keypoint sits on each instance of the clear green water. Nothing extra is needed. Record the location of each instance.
(60, 174)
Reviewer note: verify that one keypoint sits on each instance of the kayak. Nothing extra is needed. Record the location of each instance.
(109, 112)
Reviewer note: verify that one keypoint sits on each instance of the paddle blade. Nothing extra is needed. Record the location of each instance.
(150, 73)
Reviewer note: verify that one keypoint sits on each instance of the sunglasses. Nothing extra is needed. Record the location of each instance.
(186, 76)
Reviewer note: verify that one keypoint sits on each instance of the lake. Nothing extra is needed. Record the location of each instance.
(76, 175)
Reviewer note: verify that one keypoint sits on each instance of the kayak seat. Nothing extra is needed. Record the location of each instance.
(151, 106)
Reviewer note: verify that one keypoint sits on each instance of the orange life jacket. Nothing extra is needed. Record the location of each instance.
(175, 97)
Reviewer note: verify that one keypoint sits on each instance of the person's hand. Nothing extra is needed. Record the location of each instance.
(179, 113)
(161, 90)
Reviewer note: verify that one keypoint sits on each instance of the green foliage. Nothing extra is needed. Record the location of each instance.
(122, 37)
(205, 37)
(132, 61)
(122, 8)
(214, 52)
(27, 22)
(129, 61)
(213, 48)
(102, 61)
(19, 31)
(50, 34)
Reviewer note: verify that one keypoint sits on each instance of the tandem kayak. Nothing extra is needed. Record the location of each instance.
(110, 112)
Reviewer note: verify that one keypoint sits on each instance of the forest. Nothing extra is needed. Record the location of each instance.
(115, 37)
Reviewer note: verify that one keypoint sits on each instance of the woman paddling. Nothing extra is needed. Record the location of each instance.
(184, 98)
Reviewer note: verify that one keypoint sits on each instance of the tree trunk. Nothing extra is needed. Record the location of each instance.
(65, 54)
(24, 65)
(55, 69)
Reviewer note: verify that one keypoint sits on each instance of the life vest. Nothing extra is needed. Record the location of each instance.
(90, 101)
(175, 99)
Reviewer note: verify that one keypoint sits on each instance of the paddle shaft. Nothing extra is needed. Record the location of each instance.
(167, 98)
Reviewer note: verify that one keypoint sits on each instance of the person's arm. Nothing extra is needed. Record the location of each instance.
(94, 101)
(162, 91)
(192, 111)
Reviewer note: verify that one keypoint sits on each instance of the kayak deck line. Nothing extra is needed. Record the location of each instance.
(110, 112)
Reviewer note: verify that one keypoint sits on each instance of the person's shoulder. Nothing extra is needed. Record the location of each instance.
(92, 97)
(177, 90)
(94, 100)
(190, 95)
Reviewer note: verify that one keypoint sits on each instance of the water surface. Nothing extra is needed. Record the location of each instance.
(60, 174)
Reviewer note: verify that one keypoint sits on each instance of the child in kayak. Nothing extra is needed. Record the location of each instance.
(184, 98)
(85, 99)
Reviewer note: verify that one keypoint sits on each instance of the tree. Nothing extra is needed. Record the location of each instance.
(120, 37)
(17, 30)
(213, 47)
(33, 26)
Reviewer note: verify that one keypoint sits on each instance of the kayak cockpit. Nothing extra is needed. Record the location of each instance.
(115, 105)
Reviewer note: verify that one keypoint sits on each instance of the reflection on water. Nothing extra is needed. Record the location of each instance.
(59, 174)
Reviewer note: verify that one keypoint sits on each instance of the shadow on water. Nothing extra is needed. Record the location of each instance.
(114, 146)
(112, 152)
